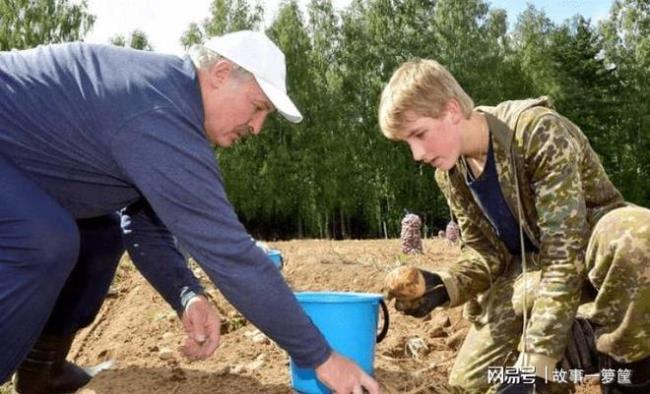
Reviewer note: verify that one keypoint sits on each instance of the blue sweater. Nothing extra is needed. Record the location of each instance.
(487, 193)
(101, 128)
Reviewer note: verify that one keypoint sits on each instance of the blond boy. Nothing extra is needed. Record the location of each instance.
(532, 200)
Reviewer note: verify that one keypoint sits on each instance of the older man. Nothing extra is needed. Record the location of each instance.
(86, 130)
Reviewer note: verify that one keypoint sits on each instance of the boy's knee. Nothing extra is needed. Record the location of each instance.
(622, 237)
(467, 377)
(626, 222)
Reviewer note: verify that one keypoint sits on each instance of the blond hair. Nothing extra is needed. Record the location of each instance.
(422, 87)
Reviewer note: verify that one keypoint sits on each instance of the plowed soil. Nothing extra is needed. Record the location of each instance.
(142, 334)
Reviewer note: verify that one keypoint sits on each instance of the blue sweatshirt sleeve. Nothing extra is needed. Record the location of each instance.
(168, 158)
(154, 253)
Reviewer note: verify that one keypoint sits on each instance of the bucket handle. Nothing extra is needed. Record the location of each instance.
(384, 329)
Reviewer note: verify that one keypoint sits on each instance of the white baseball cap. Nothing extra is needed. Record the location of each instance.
(257, 54)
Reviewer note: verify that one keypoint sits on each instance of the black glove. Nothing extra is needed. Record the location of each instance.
(581, 352)
(539, 386)
(435, 295)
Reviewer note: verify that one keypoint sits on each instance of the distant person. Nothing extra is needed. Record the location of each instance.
(531, 197)
(410, 236)
(88, 129)
(452, 232)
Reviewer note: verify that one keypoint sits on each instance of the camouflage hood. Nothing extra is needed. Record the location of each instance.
(508, 111)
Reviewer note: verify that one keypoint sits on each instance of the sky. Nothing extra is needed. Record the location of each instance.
(164, 21)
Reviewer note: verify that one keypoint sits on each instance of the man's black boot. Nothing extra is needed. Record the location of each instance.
(46, 371)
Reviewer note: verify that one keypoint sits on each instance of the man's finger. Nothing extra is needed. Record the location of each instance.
(213, 331)
(370, 384)
(190, 348)
(199, 351)
(216, 337)
(197, 316)
(210, 346)
(187, 322)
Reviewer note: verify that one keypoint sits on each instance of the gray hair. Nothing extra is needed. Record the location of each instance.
(204, 58)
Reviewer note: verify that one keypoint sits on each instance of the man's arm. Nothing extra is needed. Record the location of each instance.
(552, 159)
(170, 161)
(153, 251)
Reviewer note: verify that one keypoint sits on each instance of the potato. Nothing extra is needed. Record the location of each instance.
(405, 283)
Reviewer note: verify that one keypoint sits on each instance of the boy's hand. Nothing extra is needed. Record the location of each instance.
(416, 292)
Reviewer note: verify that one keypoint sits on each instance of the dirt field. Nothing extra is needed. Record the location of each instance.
(142, 334)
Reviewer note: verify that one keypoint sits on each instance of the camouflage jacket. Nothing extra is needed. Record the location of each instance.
(564, 190)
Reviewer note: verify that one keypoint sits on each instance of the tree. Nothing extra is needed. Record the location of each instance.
(226, 16)
(532, 46)
(193, 35)
(118, 40)
(137, 40)
(335, 175)
(28, 23)
(626, 44)
(588, 90)
(232, 15)
(293, 162)
(378, 36)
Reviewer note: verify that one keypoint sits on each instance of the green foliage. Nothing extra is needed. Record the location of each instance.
(232, 15)
(335, 175)
(137, 40)
(140, 41)
(532, 43)
(193, 35)
(28, 23)
(588, 90)
(225, 16)
(118, 40)
(626, 41)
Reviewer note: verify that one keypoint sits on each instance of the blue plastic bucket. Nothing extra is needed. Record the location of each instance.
(276, 257)
(349, 323)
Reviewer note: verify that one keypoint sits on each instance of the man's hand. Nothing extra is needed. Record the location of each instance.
(416, 292)
(202, 325)
(345, 377)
